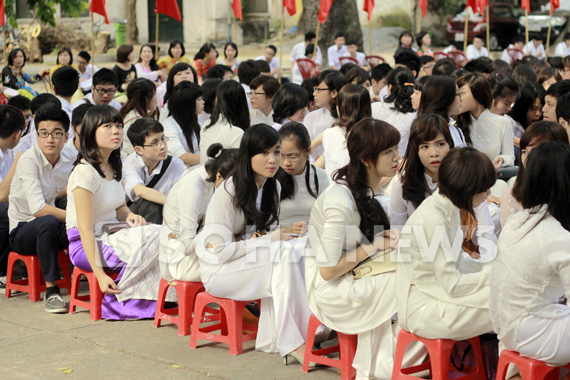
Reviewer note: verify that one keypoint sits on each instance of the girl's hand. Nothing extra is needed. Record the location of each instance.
(394, 236)
(134, 220)
(300, 227)
(279, 235)
(107, 285)
(498, 162)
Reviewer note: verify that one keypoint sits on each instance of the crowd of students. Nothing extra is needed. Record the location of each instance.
(456, 177)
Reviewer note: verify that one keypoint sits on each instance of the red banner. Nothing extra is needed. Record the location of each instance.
(169, 8)
(324, 9)
(525, 4)
(236, 6)
(423, 7)
(291, 6)
(96, 6)
(554, 5)
(369, 7)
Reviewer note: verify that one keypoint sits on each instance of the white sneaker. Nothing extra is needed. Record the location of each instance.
(3, 280)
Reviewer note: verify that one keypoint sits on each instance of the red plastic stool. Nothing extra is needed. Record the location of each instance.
(230, 323)
(530, 369)
(346, 349)
(439, 358)
(187, 292)
(34, 285)
(91, 301)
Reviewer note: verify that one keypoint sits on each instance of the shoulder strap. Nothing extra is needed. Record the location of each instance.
(131, 119)
(157, 177)
(316, 177)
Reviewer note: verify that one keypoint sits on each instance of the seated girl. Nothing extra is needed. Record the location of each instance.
(526, 110)
(290, 103)
(13, 75)
(179, 73)
(147, 67)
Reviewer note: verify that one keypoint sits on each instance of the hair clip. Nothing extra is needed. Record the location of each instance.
(219, 152)
(409, 84)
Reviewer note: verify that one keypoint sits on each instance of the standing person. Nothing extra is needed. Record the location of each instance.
(103, 89)
(36, 224)
(476, 49)
(124, 67)
(527, 109)
(447, 278)
(487, 132)
(263, 88)
(64, 58)
(532, 269)
(397, 109)
(270, 57)
(141, 95)
(234, 269)
(423, 40)
(13, 75)
(180, 72)
(147, 67)
(96, 197)
(176, 53)
(299, 49)
(181, 127)
(183, 214)
(204, 59)
(230, 56)
(535, 47)
(343, 215)
(290, 103)
(301, 182)
(229, 120)
(336, 51)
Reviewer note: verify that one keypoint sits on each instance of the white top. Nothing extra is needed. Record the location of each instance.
(493, 135)
(89, 99)
(400, 208)
(27, 141)
(334, 54)
(142, 73)
(509, 205)
(537, 52)
(66, 106)
(160, 92)
(360, 57)
(507, 58)
(108, 197)
(531, 271)
(36, 183)
(336, 152)
(456, 135)
(163, 113)
(298, 208)
(316, 122)
(135, 172)
(88, 74)
(518, 129)
(383, 93)
(473, 53)
(273, 64)
(258, 117)
(401, 121)
(177, 144)
(222, 132)
(6, 161)
(128, 120)
(561, 50)
(203, 118)
(247, 89)
(299, 52)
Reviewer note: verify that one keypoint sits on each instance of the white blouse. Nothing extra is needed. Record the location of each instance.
(258, 117)
(108, 196)
(518, 129)
(493, 135)
(401, 209)
(177, 144)
(298, 208)
(222, 132)
(401, 121)
(531, 271)
(335, 150)
(128, 120)
(316, 122)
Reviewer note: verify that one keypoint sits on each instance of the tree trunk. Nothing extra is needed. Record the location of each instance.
(132, 32)
(343, 17)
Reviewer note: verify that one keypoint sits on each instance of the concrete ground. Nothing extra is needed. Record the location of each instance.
(38, 345)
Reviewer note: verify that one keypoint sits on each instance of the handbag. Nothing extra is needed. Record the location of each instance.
(375, 264)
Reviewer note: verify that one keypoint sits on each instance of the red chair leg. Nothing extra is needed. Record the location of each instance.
(35, 278)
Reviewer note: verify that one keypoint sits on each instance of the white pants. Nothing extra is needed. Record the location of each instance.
(277, 278)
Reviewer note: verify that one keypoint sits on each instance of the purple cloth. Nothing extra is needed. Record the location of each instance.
(111, 307)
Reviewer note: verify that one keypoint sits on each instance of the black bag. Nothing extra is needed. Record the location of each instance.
(150, 211)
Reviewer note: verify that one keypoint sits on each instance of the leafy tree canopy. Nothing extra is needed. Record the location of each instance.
(45, 9)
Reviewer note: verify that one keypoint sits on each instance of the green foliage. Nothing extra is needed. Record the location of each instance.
(397, 18)
(45, 9)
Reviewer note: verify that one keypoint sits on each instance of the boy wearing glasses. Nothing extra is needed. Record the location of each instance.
(37, 227)
(103, 90)
(150, 173)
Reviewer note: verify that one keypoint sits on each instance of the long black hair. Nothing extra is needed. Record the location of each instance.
(368, 138)
(297, 132)
(424, 128)
(530, 92)
(139, 94)
(288, 99)
(231, 105)
(256, 139)
(204, 49)
(481, 91)
(438, 94)
(180, 66)
(401, 81)
(88, 148)
(182, 108)
(334, 80)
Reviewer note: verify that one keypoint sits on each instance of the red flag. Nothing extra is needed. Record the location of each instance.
(291, 6)
(474, 4)
(96, 6)
(482, 5)
(554, 4)
(324, 9)
(368, 7)
(2, 15)
(423, 7)
(525, 4)
(236, 5)
(169, 8)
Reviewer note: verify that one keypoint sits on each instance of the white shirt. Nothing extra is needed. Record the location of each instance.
(473, 53)
(335, 150)
(87, 77)
(401, 121)
(316, 122)
(177, 144)
(66, 106)
(36, 183)
(163, 113)
(298, 207)
(108, 197)
(142, 73)
(89, 99)
(274, 64)
(26, 142)
(383, 93)
(334, 54)
(135, 172)
(6, 161)
(561, 50)
(400, 208)
(537, 52)
(518, 129)
(360, 57)
(531, 270)
(127, 148)
(257, 116)
(507, 58)
(299, 52)
(456, 134)
(247, 90)
(493, 135)
(160, 92)
(222, 132)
